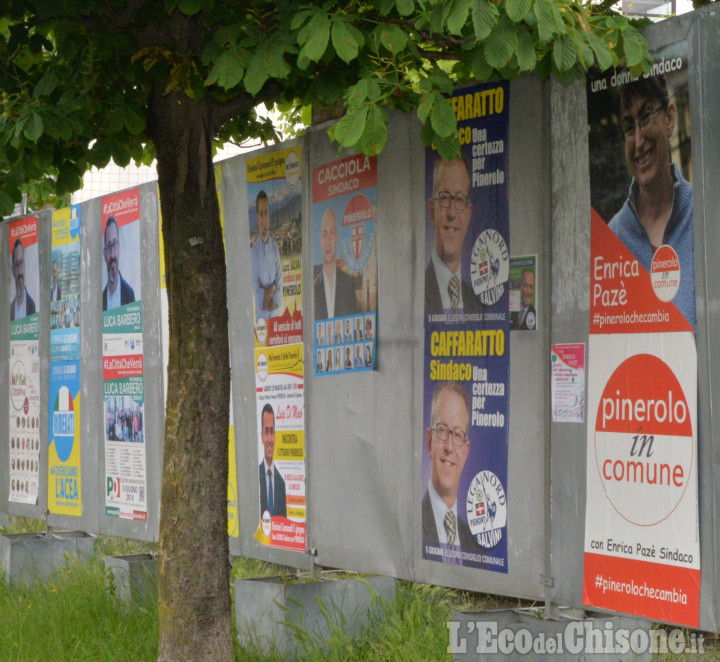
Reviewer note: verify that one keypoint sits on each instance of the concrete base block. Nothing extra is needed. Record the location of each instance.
(27, 557)
(135, 577)
(289, 616)
(523, 634)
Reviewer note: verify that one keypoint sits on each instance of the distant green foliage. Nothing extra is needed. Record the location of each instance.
(75, 88)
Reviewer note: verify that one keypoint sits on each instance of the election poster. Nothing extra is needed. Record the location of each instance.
(123, 367)
(24, 363)
(64, 446)
(281, 448)
(523, 303)
(467, 353)
(642, 553)
(345, 265)
(567, 365)
(274, 182)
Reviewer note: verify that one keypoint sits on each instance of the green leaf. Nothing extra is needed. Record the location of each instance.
(480, 68)
(457, 13)
(318, 35)
(442, 117)
(501, 45)
(190, 7)
(484, 16)
(134, 122)
(634, 45)
(46, 85)
(68, 178)
(601, 51)
(564, 53)
(273, 56)
(448, 148)
(525, 54)
(374, 137)
(301, 16)
(344, 41)
(393, 37)
(33, 128)
(441, 81)
(517, 10)
(584, 52)
(364, 89)
(425, 105)
(405, 7)
(227, 71)
(616, 22)
(546, 19)
(256, 73)
(351, 126)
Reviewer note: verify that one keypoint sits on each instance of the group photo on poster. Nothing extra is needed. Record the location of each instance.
(123, 358)
(467, 349)
(345, 265)
(641, 523)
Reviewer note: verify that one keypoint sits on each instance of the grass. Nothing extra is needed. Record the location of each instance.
(77, 616)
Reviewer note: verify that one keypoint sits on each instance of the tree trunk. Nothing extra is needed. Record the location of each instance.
(194, 583)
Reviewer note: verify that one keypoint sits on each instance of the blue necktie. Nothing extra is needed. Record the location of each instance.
(271, 505)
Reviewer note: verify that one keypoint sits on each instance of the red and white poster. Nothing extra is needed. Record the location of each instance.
(642, 550)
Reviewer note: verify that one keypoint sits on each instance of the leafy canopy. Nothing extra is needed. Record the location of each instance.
(78, 74)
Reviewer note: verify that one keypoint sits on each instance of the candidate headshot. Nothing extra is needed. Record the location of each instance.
(659, 207)
(320, 337)
(265, 264)
(22, 303)
(448, 447)
(272, 484)
(449, 210)
(525, 319)
(333, 288)
(56, 289)
(117, 291)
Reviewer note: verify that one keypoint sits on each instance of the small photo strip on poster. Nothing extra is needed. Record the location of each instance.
(345, 344)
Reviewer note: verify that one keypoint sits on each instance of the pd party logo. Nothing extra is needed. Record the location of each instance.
(486, 509)
(644, 447)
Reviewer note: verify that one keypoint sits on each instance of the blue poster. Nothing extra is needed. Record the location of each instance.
(467, 349)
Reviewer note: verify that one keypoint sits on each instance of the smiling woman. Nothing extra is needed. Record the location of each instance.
(658, 210)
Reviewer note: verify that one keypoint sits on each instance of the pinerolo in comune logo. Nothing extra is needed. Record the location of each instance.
(644, 447)
(486, 509)
(63, 423)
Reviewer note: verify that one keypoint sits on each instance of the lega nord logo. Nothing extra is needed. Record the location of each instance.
(644, 447)
(486, 508)
(489, 267)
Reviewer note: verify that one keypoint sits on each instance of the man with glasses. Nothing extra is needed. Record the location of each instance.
(449, 209)
(658, 210)
(117, 291)
(448, 446)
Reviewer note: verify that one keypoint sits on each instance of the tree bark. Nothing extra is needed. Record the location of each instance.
(194, 581)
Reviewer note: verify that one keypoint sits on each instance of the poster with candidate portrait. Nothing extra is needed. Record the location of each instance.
(467, 349)
(24, 363)
(123, 366)
(345, 265)
(642, 553)
(64, 465)
(274, 182)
